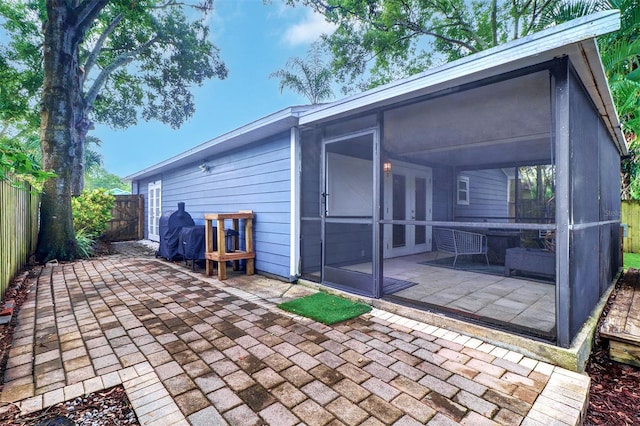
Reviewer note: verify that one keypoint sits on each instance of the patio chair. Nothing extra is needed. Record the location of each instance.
(547, 240)
(460, 243)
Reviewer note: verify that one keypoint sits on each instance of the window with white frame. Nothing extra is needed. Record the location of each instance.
(463, 190)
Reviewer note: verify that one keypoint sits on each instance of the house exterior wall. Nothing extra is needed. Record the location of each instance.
(256, 177)
(414, 118)
(488, 191)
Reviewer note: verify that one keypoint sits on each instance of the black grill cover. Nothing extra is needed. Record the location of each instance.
(191, 242)
(170, 225)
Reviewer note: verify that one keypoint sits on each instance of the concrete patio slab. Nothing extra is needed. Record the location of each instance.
(198, 351)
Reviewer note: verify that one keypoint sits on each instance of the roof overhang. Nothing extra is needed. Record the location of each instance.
(575, 39)
(265, 127)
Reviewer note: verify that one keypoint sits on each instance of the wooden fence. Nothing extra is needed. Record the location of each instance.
(127, 221)
(630, 218)
(18, 230)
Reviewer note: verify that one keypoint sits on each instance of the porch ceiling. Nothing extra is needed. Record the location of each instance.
(509, 120)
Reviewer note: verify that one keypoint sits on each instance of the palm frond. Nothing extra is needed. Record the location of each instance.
(558, 12)
(618, 54)
(310, 78)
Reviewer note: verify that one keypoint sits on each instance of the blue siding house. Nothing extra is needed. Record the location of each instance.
(254, 175)
(517, 147)
(488, 195)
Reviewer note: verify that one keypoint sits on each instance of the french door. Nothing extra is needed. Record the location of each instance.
(408, 197)
(154, 209)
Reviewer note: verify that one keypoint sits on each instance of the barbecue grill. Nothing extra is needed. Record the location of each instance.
(170, 225)
(191, 244)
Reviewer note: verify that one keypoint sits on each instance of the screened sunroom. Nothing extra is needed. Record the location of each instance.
(490, 195)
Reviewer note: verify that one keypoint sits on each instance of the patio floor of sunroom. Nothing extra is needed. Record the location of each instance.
(515, 303)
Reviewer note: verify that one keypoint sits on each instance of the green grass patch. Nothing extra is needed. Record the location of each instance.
(631, 260)
(325, 308)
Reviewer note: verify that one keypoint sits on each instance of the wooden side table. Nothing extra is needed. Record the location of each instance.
(221, 256)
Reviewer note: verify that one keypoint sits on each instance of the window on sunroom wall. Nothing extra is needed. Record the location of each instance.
(463, 190)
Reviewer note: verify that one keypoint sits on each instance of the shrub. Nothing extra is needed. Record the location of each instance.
(92, 212)
(85, 244)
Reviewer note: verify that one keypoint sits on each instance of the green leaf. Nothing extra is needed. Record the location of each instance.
(92, 212)
(634, 75)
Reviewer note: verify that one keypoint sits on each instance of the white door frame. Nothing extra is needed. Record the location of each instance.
(154, 209)
(411, 172)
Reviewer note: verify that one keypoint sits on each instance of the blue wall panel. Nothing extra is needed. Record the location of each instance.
(256, 177)
(487, 196)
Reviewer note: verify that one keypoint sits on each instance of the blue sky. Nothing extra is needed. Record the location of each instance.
(254, 39)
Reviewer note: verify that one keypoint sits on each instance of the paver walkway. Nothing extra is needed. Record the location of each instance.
(197, 351)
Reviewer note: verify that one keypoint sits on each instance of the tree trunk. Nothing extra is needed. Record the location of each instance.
(60, 139)
(494, 23)
(625, 174)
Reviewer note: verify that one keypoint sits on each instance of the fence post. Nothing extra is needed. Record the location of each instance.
(140, 216)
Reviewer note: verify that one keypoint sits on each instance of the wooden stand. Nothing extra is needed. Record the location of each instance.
(221, 256)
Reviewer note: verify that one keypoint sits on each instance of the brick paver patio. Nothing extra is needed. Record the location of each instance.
(190, 350)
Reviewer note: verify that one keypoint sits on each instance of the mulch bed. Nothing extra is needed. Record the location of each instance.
(108, 407)
(614, 394)
(614, 397)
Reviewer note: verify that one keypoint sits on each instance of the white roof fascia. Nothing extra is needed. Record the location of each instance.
(246, 134)
(575, 31)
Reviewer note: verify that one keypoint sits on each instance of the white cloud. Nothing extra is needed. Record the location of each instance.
(308, 30)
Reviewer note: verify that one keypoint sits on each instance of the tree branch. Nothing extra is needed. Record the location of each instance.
(86, 13)
(93, 57)
(453, 41)
(119, 61)
(457, 20)
(431, 32)
(202, 7)
(5, 127)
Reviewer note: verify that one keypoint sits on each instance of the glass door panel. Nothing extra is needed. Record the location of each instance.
(407, 198)
(420, 196)
(154, 207)
(399, 210)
